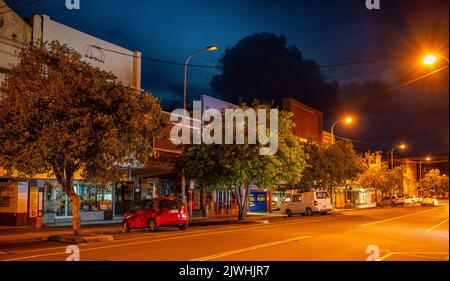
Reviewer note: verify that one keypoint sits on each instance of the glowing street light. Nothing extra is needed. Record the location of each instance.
(401, 146)
(431, 59)
(347, 120)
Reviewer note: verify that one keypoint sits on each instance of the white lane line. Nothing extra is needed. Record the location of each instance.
(154, 240)
(437, 225)
(252, 248)
(424, 255)
(399, 217)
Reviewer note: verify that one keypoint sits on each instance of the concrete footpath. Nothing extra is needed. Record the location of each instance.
(18, 235)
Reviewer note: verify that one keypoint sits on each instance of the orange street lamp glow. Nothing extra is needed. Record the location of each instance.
(212, 48)
(429, 59)
(401, 146)
(347, 120)
(428, 159)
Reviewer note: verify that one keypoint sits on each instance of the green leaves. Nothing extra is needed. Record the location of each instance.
(239, 166)
(433, 181)
(330, 166)
(379, 177)
(58, 114)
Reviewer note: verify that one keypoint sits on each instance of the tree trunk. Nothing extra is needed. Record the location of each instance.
(76, 214)
(238, 192)
(246, 199)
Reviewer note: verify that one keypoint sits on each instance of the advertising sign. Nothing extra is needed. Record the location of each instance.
(34, 202)
(258, 201)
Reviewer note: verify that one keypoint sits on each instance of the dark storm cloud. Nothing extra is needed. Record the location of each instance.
(262, 66)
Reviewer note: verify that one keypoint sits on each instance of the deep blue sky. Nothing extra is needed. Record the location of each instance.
(328, 32)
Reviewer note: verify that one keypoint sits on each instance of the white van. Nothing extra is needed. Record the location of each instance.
(307, 203)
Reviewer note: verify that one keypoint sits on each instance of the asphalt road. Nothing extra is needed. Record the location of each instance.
(404, 233)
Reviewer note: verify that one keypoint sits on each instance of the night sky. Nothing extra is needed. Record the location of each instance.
(328, 32)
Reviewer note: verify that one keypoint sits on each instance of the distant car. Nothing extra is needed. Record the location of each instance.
(411, 200)
(154, 213)
(386, 201)
(429, 201)
(398, 200)
(307, 203)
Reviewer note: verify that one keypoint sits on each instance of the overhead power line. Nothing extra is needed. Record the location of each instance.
(219, 67)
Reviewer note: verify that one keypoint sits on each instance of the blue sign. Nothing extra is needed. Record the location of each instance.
(258, 201)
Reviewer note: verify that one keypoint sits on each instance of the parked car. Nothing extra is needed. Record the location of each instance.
(429, 201)
(307, 203)
(155, 213)
(398, 200)
(412, 200)
(386, 201)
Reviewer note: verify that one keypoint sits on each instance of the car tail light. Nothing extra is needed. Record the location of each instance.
(315, 203)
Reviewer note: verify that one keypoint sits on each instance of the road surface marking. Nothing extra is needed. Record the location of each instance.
(424, 253)
(437, 225)
(385, 256)
(252, 248)
(419, 256)
(99, 243)
(399, 217)
(154, 240)
(176, 236)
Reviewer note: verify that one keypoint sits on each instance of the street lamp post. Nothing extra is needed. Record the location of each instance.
(347, 120)
(402, 146)
(183, 179)
(428, 159)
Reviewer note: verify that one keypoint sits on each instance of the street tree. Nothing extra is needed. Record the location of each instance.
(379, 177)
(434, 182)
(238, 166)
(330, 166)
(60, 115)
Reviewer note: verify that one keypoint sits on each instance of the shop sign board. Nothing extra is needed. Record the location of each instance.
(34, 202)
(258, 201)
(8, 197)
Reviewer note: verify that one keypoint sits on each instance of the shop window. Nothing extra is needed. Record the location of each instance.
(55, 198)
(94, 197)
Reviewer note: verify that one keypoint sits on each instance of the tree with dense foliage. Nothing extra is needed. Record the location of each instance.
(434, 182)
(330, 166)
(379, 177)
(238, 166)
(60, 115)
